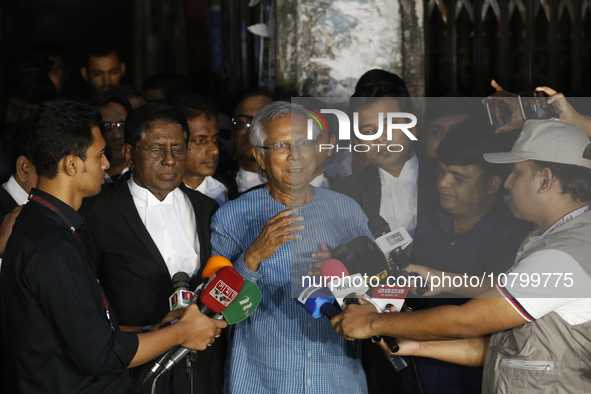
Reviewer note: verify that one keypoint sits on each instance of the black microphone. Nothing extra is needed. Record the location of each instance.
(392, 244)
(397, 362)
(182, 297)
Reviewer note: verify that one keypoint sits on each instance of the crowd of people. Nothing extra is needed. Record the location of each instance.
(103, 200)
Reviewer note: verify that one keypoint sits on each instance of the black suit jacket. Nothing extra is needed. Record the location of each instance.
(365, 187)
(136, 279)
(7, 203)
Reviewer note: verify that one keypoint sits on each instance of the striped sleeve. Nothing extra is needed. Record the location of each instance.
(515, 304)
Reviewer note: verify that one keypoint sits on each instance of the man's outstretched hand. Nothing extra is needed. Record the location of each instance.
(356, 321)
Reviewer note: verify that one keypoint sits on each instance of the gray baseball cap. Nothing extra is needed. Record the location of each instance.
(546, 140)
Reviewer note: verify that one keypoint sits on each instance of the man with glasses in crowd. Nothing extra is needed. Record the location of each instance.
(114, 108)
(270, 235)
(149, 226)
(244, 174)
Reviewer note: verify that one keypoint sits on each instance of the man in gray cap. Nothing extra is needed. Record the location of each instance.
(539, 312)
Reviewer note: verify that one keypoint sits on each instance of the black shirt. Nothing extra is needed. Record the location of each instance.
(55, 332)
(487, 248)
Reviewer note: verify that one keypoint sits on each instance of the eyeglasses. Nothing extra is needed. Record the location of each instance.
(109, 127)
(242, 124)
(283, 147)
(160, 154)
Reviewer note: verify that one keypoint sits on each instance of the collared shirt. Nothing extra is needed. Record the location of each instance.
(16, 191)
(489, 246)
(320, 181)
(247, 180)
(213, 188)
(281, 348)
(55, 333)
(398, 203)
(173, 229)
(108, 179)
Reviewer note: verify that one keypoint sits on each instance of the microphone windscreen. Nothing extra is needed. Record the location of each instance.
(245, 303)
(180, 279)
(333, 267)
(361, 244)
(213, 265)
(370, 262)
(342, 253)
(313, 298)
(378, 226)
(221, 289)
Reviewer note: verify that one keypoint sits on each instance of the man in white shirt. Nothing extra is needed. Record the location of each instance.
(149, 226)
(245, 174)
(15, 192)
(397, 185)
(203, 155)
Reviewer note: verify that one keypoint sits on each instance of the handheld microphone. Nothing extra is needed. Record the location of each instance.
(246, 302)
(182, 296)
(368, 262)
(397, 362)
(344, 284)
(214, 264)
(220, 290)
(317, 301)
(392, 244)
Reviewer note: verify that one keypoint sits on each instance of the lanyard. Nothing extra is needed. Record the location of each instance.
(53, 208)
(566, 219)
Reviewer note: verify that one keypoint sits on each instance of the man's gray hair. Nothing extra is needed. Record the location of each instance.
(278, 109)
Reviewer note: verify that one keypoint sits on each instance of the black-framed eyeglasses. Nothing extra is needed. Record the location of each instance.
(160, 154)
(284, 147)
(109, 127)
(241, 122)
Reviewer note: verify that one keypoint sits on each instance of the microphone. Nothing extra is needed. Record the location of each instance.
(344, 284)
(245, 303)
(363, 260)
(182, 296)
(317, 301)
(213, 265)
(220, 290)
(392, 244)
(397, 362)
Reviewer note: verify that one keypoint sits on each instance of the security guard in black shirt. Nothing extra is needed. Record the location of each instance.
(58, 333)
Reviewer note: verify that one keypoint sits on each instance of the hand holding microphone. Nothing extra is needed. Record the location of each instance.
(221, 289)
(200, 330)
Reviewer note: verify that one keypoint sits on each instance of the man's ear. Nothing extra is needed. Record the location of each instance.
(547, 180)
(84, 73)
(260, 158)
(332, 140)
(69, 165)
(23, 168)
(122, 66)
(127, 153)
(494, 184)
